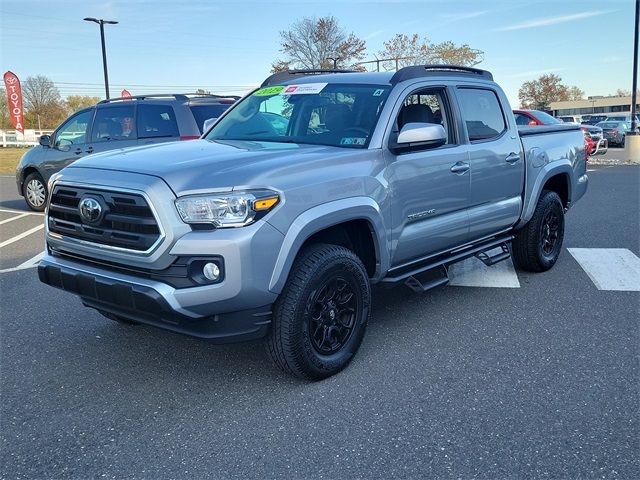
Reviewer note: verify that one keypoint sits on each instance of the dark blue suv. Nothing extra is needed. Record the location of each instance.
(113, 124)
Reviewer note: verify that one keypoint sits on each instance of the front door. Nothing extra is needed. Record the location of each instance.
(430, 186)
(69, 143)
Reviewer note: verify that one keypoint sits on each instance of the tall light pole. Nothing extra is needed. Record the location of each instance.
(102, 22)
(634, 91)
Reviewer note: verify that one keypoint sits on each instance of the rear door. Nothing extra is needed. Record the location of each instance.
(496, 160)
(156, 123)
(114, 126)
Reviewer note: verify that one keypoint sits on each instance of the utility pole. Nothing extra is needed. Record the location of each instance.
(102, 22)
(634, 90)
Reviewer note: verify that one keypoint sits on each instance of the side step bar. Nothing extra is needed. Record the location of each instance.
(432, 272)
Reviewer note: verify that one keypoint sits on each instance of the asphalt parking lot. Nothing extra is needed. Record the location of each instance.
(521, 376)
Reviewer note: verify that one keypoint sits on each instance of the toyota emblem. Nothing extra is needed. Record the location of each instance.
(90, 210)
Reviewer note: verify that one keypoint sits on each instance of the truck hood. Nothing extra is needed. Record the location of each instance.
(201, 165)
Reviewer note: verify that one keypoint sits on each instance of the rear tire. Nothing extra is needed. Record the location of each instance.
(537, 245)
(321, 316)
(34, 191)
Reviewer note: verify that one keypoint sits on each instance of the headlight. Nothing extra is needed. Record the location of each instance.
(226, 210)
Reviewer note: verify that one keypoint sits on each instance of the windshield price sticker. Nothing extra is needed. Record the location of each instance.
(268, 91)
(304, 89)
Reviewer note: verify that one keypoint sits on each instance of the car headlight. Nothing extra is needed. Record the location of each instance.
(226, 209)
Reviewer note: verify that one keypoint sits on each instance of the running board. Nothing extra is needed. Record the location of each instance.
(492, 260)
(423, 281)
(432, 272)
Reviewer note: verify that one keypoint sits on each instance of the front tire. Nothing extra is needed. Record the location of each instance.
(537, 245)
(35, 192)
(321, 316)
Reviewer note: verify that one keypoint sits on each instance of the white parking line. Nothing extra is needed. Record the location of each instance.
(22, 215)
(473, 273)
(7, 210)
(610, 268)
(32, 262)
(21, 236)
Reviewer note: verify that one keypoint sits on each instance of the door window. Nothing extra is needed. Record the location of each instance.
(157, 121)
(114, 123)
(74, 130)
(482, 113)
(427, 106)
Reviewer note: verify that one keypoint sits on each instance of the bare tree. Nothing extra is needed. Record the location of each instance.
(414, 50)
(575, 93)
(73, 103)
(318, 43)
(39, 93)
(5, 120)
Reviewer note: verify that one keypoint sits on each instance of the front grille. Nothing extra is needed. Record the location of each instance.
(126, 221)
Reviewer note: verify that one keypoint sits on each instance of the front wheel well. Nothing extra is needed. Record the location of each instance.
(356, 235)
(559, 184)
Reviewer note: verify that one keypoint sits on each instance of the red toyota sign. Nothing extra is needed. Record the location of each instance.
(14, 99)
(125, 93)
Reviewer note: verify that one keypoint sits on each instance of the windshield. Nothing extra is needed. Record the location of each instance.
(315, 113)
(546, 119)
(608, 124)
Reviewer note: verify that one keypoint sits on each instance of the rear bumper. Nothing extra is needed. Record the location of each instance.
(153, 304)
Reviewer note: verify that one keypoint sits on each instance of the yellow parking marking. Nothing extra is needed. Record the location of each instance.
(32, 262)
(22, 215)
(21, 236)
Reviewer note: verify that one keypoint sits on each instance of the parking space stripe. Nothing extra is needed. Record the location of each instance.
(21, 236)
(32, 262)
(610, 268)
(6, 210)
(22, 215)
(473, 273)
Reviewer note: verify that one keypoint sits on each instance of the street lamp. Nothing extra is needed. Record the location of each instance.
(102, 22)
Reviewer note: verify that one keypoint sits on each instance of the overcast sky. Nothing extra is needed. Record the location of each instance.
(228, 46)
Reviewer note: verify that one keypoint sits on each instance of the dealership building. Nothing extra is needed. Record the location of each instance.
(606, 105)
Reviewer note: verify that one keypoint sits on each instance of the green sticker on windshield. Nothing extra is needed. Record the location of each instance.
(268, 91)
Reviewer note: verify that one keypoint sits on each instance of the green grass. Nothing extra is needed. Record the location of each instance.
(9, 158)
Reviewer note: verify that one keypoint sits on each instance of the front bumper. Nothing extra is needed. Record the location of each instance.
(152, 303)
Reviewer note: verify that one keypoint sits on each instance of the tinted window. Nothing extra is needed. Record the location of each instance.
(114, 123)
(522, 119)
(205, 112)
(482, 113)
(156, 121)
(74, 130)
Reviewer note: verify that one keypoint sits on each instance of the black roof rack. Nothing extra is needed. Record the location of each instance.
(417, 71)
(177, 96)
(280, 77)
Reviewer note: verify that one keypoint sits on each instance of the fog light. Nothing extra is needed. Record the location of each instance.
(211, 271)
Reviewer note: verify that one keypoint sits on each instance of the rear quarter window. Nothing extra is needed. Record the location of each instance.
(482, 113)
(157, 121)
(205, 112)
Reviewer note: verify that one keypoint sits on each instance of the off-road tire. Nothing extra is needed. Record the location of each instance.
(292, 343)
(528, 250)
(34, 190)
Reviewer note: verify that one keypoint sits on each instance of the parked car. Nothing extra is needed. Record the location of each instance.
(534, 117)
(593, 119)
(622, 118)
(114, 124)
(614, 132)
(255, 231)
(570, 119)
(593, 136)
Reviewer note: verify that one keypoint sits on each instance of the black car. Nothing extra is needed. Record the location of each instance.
(615, 132)
(116, 123)
(593, 119)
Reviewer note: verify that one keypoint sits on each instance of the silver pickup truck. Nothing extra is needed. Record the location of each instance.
(300, 197)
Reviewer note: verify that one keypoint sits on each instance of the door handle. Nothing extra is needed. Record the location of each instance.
(78, 151)
(512, 158)
(89, 150)
(460, 168)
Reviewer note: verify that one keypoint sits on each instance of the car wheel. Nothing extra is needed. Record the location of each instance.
(321, 316)
(537, 245)
(35, 192)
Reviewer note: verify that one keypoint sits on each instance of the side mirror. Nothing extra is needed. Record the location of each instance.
(414, 136)
(208, 123)
(45, 141)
